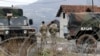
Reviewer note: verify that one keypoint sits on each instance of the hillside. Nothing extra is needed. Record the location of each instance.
(44, 10)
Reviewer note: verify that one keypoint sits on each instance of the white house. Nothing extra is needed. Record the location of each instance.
(63, 22)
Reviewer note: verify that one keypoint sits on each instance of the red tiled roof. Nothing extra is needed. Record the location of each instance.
(76, 8)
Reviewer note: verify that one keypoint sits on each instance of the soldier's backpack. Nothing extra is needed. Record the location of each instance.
(53, 28)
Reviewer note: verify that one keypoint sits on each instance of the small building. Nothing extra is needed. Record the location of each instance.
(64, 10)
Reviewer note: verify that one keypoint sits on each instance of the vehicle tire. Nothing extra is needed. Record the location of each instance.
(86, 43)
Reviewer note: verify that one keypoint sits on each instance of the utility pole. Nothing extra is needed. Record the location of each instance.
(93, 5)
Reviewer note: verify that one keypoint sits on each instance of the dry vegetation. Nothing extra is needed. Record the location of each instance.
(15, 47)
(20, 47)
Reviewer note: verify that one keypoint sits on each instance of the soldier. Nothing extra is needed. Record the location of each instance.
(43, 31)
(53, 29)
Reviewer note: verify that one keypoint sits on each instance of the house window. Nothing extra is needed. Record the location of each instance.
(64, 15)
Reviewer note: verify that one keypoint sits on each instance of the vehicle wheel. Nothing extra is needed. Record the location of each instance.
(86, 43)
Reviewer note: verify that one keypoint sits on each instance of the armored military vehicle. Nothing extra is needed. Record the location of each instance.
(14, 24)
(85, 28)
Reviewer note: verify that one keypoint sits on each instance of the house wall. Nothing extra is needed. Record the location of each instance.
(63, 23)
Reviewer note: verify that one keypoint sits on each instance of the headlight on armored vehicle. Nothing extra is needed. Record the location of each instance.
(25, 31)
(7, 32)
(86, 28)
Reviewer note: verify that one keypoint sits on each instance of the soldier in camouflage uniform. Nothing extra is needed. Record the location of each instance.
(43, 31)
(53, 29)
